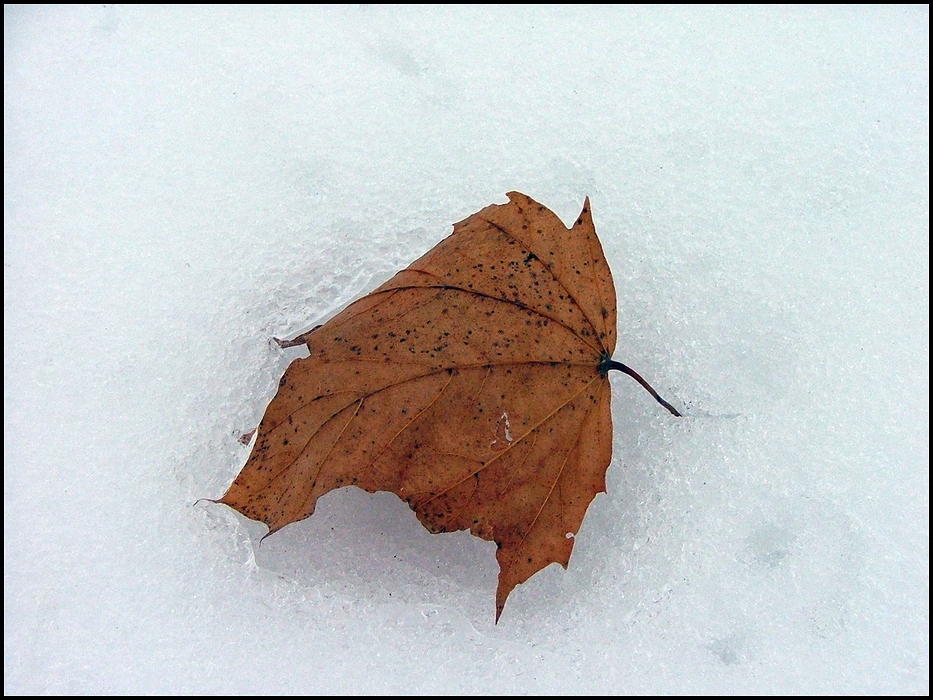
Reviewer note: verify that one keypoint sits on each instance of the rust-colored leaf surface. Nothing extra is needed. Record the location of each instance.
(473, 384)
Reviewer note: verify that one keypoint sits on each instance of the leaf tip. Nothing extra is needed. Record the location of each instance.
(586, 217)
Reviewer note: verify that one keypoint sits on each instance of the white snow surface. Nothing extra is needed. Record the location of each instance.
(181, 184)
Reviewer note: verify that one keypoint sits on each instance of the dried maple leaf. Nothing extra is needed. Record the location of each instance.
(473, 384)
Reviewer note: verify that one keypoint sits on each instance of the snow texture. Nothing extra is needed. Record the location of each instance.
(181, 184)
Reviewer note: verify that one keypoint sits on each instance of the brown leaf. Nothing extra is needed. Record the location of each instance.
(473, 384)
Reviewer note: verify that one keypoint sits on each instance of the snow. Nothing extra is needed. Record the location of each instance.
(184, 183)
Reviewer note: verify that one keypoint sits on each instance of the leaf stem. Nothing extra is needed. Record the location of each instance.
(612, 364)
